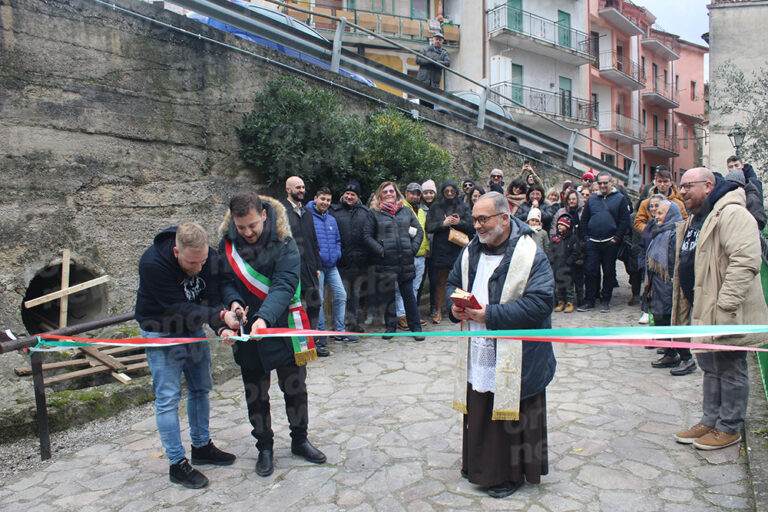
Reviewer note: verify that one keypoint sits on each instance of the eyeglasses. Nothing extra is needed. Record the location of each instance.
(687, 186)
(483, 219)
(603, 182)
(388, 191)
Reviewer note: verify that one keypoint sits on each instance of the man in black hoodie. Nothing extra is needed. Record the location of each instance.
(178, 293)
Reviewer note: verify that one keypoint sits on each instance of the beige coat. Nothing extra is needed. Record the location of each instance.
(727, 288)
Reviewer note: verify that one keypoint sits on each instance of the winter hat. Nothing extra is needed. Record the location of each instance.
(497, 172)
(736, 176)
(429, 185)
(566, 185)
(413, 187)
(535, 213)
(588, 174)
(353, 186)
(565, 220)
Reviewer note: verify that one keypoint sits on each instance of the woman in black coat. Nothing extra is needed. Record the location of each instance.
(447, 212)
(393, 235)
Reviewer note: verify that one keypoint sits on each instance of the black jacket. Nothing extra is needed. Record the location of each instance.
(278, 259)
(565, 254)
(390, 243)
(170, 301)
(532, 311)
(303, 232)
(351, 221)
(430, 73)
(444, 253)
(605, 217)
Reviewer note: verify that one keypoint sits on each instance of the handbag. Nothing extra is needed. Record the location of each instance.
(457, 237)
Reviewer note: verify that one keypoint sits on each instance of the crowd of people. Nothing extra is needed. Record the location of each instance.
(692, 253)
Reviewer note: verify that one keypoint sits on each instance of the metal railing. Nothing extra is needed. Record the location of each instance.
(664, 89)
(393, 25)
(668, 40)
(536, 27)
(612, 60)
(666, 142)
(611, 121)
(552, 103)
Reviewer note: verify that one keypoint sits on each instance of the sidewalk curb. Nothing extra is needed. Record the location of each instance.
(756, 434)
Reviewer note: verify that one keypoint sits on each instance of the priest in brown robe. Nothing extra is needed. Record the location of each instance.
(500, 384)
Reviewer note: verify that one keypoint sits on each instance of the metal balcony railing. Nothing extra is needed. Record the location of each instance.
(612, 122)
(612, 60)
(664, 89)
(671, 42)
(546, 102)
(392, 25)
(619, 5)
(536, 27)
(665, 142)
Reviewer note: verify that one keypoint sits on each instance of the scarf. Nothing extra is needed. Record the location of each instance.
(658, 249)
(392, 208)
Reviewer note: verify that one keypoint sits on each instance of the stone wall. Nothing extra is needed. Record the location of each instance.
(113, 128)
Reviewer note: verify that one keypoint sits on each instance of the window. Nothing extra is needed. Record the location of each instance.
(419, 9)
(644, 119)
(642, 66)
(677, 83)
(685, 137)
(693, 90)
(627, 163)
(595, 107)
(608, 158)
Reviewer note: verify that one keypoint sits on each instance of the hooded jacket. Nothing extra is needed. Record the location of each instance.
(444, 253)
(277, 258)
(328, 237)
(351, 220)
(644, 215)
(170, 301)
(605, 217)
(389, 240)
(531, 311)
(727, 287)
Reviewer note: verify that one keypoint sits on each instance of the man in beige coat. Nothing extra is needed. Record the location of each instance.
(717, 282)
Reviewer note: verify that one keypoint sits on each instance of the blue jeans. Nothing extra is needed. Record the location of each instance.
(167, 364)
(331, 277)
(418, 262)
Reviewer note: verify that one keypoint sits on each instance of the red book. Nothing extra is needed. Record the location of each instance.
(464, 299)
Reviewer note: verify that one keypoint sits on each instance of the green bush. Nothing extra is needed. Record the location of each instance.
(298, 129)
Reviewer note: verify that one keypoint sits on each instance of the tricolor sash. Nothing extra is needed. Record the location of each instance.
(509, 352)
(258, 284)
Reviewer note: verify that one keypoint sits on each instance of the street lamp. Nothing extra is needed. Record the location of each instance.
(736, 136)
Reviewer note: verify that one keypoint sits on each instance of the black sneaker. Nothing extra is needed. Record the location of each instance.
(667, 362)
(347, 339)
(184, 474)
(587, 306)
(322, 351)
(605, 307)
(209, 454)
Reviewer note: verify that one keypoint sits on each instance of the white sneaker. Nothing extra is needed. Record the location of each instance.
(643, 319)
(369, 319)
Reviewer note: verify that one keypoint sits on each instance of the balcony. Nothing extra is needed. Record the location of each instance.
(411, 32)
(526, 31)
(621, 71)
(659, 145)
(662, 95)
(619, 127)
(613, 12)
(572, 112)
(662, 44)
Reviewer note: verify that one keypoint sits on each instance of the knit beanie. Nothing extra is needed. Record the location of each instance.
(353, 186)
(565, 221)
(535, 213)
(429, 185)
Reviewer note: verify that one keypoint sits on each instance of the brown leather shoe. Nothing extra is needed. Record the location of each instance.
(716, 439)
(693, 433)
(569, 308)
(402, 323)
(436, 317)
(560, 306)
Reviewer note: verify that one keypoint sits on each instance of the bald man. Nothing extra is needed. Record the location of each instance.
(303, 230)
(717, 282)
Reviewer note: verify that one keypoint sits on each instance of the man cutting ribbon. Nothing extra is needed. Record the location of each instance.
(260, 277)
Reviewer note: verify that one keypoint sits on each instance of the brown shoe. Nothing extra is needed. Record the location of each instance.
(693, 433)
(560, 306)
(436, 317)
(569, 308)
(716, 439)
(423, 322)
(402, 323)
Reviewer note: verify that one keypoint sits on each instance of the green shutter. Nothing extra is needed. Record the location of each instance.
(517, 82)
(564, 29)
(515, 15)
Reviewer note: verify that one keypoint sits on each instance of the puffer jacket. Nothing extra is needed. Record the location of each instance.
(278, 259)
(328, 237)
(727, 289)
(531, 311)
(389, 240)
(351, 220)
(644, 215)
(421, 214)
(444, 253)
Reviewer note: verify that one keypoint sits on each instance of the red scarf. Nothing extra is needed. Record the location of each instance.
(392, 208)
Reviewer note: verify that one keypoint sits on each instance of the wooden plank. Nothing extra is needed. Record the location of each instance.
(389, 24)
(23, 371)
(91, 371)
(68, 291)
(411, 28)
(64, 303)
(105, 359)
(121, 377)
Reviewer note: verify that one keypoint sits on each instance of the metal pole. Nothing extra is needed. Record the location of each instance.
(337, 40)
(43, 431)
(571, 147)
(481, 108)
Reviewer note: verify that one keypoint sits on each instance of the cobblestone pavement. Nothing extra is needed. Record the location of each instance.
(381, 412)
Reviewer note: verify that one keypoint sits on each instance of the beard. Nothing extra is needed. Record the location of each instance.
(297, 196)
(495, 234)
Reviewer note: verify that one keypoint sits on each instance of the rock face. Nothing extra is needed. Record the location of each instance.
(113, 127)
